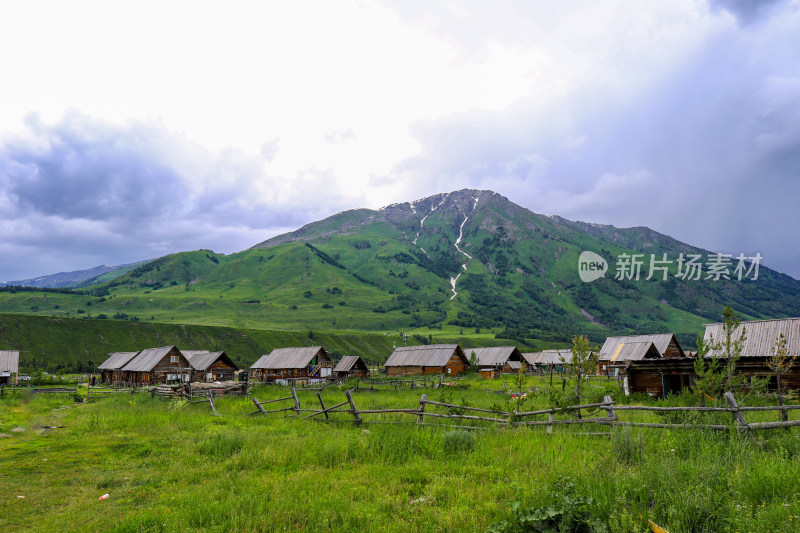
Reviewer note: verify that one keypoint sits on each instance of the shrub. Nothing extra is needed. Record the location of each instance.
(627, 448)
(458, 441)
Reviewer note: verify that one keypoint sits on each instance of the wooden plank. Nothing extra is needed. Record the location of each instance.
(774, 425)
(430, 402)
(319, 397)
(327, 410)
(610, 409)
(296, 401)
(737, 415)
(356, 416)
(211, 402)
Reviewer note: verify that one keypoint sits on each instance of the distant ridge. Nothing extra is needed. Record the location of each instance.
(68, 279)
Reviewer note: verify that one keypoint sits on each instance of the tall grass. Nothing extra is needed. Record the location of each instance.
(169, 466)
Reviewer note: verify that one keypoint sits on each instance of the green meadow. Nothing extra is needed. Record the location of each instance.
(173, 466)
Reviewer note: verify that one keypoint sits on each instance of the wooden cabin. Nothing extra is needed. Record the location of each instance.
(668, 375)
(656, 376)
(158, 365)
(495, 360)
(111, 368)
(427, 359)
(351, 365)
(761, 337)
(306, 363)
(210, 366)
(557, 360)
(9, 367)
(617, 350)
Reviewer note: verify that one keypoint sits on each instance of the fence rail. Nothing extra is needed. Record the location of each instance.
(466, 419)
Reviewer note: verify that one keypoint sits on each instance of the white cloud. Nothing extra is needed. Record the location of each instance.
(256, 117)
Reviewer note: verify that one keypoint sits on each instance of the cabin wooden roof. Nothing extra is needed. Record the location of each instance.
(188, 354)
(348, 362)
(117, 360)
(148, 359)
(761, 336)
(661, 341)
(425, 355)
(290, 358)
(494, 356)
(201, 360)
(9, 361)
(548, 357)
(634, 351)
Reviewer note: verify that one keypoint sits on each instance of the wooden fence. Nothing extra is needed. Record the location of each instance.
(42, 390)
(470, 417)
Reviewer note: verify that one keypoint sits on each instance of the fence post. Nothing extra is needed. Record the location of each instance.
(737, 415)
(421, 408)
(550, 423)
(319, 395)
(211, 401)
(260, 407)
(610, 409)
(356, 416)
(784, 414)
(296, 402)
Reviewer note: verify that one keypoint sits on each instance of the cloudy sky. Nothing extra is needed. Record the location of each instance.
(133, 130)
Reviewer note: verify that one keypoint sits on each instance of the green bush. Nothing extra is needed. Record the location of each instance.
(626, 446)
(458, 441)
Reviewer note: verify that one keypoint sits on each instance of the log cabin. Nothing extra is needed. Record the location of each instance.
(760, 339)
(446, 359)
(306, 363)
(9, 366)
(210, 366)
(351, 365)
(617, 350)
(668, 375)
(111, 368)
(158, 365)
(495, 360)
(548, 359)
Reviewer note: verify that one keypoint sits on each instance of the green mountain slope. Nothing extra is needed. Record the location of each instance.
(76, 345)
(514, 273)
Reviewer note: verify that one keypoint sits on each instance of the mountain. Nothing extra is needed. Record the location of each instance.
(67, 279)
(461, 263)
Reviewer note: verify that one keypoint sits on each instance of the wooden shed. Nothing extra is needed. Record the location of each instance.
(761, 336)
(210, 366)
(9, 366)
(351, 365)
(311, 362)
(158, 365)
(427, 359)
(668, 375)
(492, 361)
(111, 368)
(549, 359)
(618, 350)
(658, 376)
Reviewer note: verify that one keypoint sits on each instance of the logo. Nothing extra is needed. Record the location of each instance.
(591, 266)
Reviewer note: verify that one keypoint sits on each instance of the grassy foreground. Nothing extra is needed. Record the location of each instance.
(172, 466)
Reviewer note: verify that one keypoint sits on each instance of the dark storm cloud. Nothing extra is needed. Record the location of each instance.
(84, 192)
(709, 153)
(747, 11)
(88, 169)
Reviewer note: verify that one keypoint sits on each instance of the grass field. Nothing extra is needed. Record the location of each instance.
(173, 466)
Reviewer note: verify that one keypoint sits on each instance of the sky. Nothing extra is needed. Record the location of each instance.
(130, 130)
